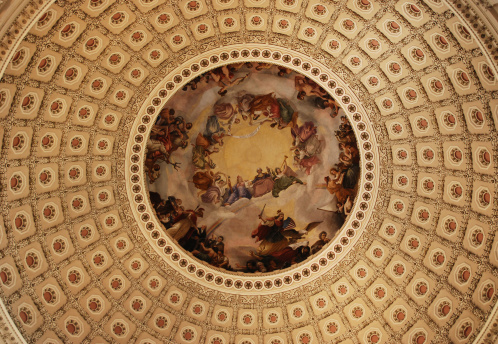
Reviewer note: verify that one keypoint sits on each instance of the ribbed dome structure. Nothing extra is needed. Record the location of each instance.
(85, 259)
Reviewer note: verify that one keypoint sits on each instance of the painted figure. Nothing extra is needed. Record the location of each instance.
(306, 163)
(214, 131)
(224, 111)
(318, 245)
(216, 193)
(201, 153)
(203, 180)
(307, 87)
(238, 191)
(269, 233)
(220, 261)
(225, 78)
(304, 132)
(327, 103)
(262, 183)
(283, 178)
(184, 222)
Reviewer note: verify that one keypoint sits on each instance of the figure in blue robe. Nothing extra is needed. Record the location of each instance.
(238, 191)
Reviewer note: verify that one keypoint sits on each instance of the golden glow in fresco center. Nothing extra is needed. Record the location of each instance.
(252, 167)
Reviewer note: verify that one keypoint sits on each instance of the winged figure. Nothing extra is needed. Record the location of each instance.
(294, 235)
(276, 234)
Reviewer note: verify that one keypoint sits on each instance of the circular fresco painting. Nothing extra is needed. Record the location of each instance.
(252, 167)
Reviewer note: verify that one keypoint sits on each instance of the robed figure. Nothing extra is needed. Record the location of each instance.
(270, 234)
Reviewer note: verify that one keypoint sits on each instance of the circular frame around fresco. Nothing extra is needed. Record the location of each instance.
(233, 282)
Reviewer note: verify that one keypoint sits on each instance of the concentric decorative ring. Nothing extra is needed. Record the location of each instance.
(214, 278)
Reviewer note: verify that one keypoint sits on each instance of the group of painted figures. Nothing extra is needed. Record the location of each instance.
(216, 187)
(224, 77)
(171, 133)
(343, 179)
(280, 244)
(279, 241)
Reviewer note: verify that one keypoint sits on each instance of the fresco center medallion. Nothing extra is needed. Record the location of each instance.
(252, 167)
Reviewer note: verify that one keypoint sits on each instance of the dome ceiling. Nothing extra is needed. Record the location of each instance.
(85, 259)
